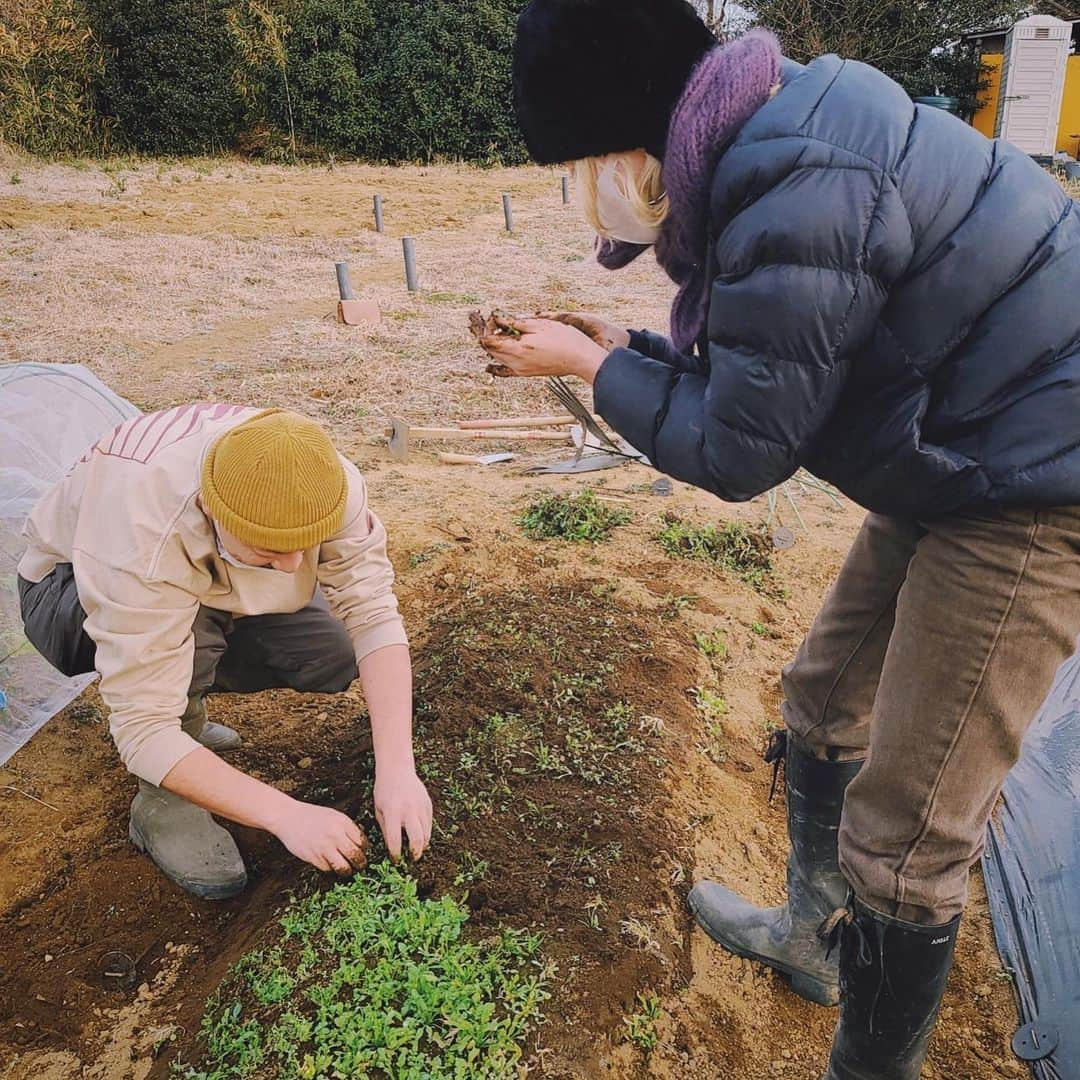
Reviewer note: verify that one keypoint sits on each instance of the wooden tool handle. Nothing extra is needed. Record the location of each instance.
(460, 459)
(517, 422)
(502, 434)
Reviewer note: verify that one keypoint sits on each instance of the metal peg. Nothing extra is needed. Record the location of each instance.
(409, 246)
(508, 213)
(565, 190)
(378, 214)
(343, 283)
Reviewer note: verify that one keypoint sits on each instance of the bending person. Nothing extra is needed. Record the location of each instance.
(876, 292)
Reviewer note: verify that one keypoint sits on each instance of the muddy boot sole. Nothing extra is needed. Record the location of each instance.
(202, 890)
(810, 988)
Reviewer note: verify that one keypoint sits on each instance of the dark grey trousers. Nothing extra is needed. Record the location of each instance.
(307, 650)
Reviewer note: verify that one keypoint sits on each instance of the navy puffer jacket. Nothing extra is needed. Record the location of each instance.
(895, 306)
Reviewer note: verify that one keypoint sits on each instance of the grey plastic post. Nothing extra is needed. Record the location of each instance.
(508, 213)
(378, 214)
(343, 283)
(409, 245)
(565, 190)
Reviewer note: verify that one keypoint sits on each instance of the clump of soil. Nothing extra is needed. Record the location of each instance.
(497, 324)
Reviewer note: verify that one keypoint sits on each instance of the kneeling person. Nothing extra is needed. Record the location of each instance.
(215, 547)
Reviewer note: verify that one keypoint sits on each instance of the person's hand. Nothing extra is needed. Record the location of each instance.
(546, 347)
(324, 837)
(607, 335)
(402, 803)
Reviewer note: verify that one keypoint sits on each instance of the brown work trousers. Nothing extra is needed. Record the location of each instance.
(933, 652)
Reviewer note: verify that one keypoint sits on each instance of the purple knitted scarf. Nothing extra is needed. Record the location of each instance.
(729, 85)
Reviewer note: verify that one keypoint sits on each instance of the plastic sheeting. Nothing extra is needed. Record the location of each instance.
(50, 414)
(1032, 870)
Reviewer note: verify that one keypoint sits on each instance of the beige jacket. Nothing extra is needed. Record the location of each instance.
(145, 558)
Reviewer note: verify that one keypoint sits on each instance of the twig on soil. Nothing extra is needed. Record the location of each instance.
(19, 791)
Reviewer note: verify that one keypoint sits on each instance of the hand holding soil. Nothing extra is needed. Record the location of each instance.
(324, 837)
(535, 348)
(495, 325)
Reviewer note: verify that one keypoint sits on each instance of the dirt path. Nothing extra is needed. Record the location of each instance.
(239, 314)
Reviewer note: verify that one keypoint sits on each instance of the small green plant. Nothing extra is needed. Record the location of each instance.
(580, 518)
(471, 869)
(641, 1026)
(16, 178)
(418, 558)
(372, 980)
(713, 645)
(714, 709)
(735, 547)
(764, 631)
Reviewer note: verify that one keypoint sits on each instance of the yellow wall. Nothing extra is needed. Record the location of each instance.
(985, 120)
(1070, 110)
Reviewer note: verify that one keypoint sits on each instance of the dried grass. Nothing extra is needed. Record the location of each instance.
(246, 314)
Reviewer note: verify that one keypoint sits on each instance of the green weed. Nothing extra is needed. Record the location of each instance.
(641, 1026)
(713, 645)
(471, 869)
(418, 558)
(735, 547)
(397, 991)
(578, 518)
(714, 709)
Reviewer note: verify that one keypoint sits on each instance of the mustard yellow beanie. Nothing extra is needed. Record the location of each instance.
(276, 482)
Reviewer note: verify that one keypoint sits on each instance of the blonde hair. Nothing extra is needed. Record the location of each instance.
(643, 188)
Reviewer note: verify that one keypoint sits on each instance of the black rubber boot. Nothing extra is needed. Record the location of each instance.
(893, 976)
(788, 939)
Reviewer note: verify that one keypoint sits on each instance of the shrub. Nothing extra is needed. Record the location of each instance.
(50, 60)
(446, 80)
(395, 81)
(170, 79)
(331, 59)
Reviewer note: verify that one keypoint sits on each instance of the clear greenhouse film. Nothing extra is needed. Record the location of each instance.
(50, 414)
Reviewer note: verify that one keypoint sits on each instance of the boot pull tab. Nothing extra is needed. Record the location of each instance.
(841, 923)
(776, 755)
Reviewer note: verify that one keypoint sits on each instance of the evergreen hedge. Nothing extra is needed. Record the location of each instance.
(382, 80)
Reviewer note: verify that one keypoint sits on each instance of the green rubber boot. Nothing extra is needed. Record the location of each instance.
(187, 845)
(216, 737)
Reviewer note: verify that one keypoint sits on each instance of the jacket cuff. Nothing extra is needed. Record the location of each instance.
(628, 391)
(157, 757)
(380, 637)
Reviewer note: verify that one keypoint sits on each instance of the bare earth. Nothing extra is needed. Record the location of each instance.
(215, 281)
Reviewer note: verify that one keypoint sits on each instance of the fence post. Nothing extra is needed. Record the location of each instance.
(378, 214)
(508, 213)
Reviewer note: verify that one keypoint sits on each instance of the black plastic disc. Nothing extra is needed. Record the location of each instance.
(1035, 1041)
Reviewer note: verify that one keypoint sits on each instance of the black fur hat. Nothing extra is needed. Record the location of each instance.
(595, 77)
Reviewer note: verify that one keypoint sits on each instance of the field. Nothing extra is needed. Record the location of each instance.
(590, 715)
